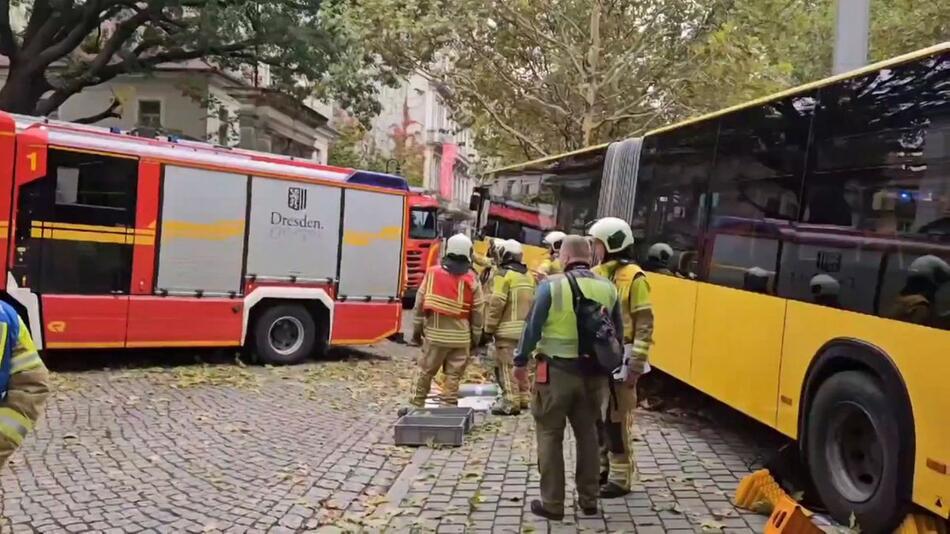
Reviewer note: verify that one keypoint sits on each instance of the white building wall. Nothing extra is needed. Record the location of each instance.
(182, 108)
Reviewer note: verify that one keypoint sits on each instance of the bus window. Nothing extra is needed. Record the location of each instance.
(877, 197)
(671, 191)
(760, 162)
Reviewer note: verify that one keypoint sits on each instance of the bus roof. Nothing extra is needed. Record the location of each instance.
(528, 165)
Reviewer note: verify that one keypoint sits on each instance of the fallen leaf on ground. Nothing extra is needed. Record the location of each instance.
(709, 525)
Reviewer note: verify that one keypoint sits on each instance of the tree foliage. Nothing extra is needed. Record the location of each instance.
(68, 45)
(536, 78)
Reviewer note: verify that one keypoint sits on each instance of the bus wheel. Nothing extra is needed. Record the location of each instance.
(852, 448)
(284, 334)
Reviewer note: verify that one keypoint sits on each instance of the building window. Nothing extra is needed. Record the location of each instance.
(150, 113)
(224, 127)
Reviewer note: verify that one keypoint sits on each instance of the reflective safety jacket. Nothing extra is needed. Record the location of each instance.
(511, 298)
(24, 382)
(635, 307)
(552, 324)
(549, 267)
(449, 308)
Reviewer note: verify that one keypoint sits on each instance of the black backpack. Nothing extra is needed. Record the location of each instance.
(596, 336)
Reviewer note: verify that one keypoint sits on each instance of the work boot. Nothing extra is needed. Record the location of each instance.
(537, 508)
(611, 490)
(501, 407)
(403, 411)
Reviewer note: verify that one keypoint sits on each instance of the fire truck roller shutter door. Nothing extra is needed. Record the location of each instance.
(294, 230)
(202, 231)
(371, 265)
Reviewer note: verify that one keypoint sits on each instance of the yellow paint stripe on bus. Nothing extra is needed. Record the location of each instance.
(361, 239)
(215, 231)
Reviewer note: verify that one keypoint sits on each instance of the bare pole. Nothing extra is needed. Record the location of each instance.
(852, 26)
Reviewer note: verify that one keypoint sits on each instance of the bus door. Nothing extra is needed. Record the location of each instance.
(74, 229)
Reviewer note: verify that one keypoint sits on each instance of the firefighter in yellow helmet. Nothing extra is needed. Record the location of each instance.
(511, 298)
(552, 265)
(613, 245)
(448, 317)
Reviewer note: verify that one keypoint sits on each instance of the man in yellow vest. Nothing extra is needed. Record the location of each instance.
(448, 316)
(613, 241)
(568, 386)
(552, 265)
(511, 298)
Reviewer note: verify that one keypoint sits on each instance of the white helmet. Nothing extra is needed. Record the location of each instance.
(459, 245)
(930, 268)
(660, 252)
(553, 239)
(823, 285)
(513, 248)
(614, 233)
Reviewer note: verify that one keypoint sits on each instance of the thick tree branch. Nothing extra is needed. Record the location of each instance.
(496, 117)
(88, 21)
(107, 113)
(8, 46)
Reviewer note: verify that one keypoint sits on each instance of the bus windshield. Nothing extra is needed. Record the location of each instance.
(422, 224)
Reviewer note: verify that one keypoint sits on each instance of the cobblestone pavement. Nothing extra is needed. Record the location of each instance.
(225, 448)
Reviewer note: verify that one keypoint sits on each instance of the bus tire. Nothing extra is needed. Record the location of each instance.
(852, 450)
(284, 334)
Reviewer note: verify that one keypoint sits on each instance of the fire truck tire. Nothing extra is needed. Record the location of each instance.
(852, 447)
(284, 334)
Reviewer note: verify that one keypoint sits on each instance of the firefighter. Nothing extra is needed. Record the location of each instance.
(511, 298)
(658, 259)
(448, 315)
(915, 303)
(552, 265)
(567, 389)
(614, 244)
(825, 290)
(24, 382)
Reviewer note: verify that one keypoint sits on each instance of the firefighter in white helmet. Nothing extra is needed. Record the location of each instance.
(915, 303)
(825, 290)
(506, 313)
(448, 317)
(613, 246)
(658, 258)
(551, 265)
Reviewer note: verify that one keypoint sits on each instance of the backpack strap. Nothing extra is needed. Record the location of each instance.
(576, 292)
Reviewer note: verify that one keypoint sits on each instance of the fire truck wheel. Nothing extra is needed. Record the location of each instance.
(284, 334)
(852, 447)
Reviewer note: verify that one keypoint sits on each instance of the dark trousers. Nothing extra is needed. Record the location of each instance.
(577, 398)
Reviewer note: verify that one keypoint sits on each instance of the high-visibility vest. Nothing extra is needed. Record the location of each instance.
(559, 333)
(10, 332)
(516, 291)
(449, 294)
(623, 275)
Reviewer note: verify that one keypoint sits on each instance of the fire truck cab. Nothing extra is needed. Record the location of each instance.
(422, 241)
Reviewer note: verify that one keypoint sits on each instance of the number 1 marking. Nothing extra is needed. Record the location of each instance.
(32, 156)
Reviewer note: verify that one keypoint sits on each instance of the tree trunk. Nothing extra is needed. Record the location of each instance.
(22, 91)
(593, 63)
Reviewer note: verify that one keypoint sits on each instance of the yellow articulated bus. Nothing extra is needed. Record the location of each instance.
(809, 280)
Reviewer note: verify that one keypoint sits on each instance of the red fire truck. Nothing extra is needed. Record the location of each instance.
(116, 241)
(422, 241)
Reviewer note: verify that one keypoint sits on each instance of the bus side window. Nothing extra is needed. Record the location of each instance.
(874, 226)
(671, 196)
